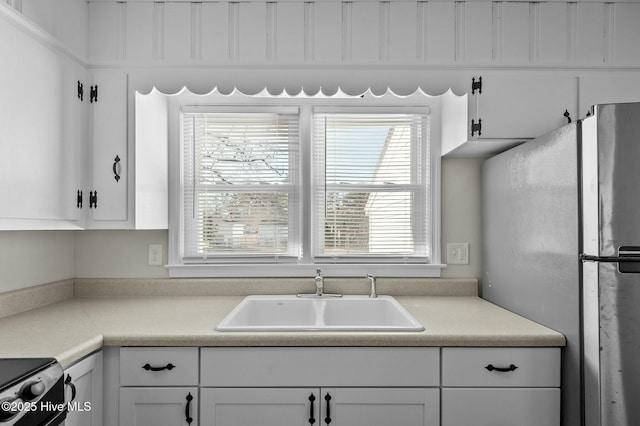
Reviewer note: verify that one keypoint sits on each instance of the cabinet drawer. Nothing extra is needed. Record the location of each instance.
(158, 366)
(501, 367)
(320, 366)
(490, 407)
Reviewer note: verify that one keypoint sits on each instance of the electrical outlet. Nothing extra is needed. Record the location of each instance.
(458, 253)
(155, 254)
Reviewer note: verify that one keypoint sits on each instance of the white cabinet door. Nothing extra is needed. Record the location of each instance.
(159, 406)
(83, 392)
(320, 406)
(109, 158)
(607, 89)
(38, 87)
(260, 406)
(503, 406)
(523, 105)
(380, 407)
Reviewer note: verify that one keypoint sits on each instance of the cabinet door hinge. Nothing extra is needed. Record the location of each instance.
(476, 127)
(80, 91)
(93, 199)
(93, 94)
(79, 199)
(476, 85)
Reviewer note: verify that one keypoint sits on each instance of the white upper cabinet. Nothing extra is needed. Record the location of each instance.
(41, 132)
(605, 88)
(109, 157)
(508, 108)
(523, 105)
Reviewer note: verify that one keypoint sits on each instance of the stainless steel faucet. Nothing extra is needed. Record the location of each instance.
(319, 288)
(372, 279)
(319, 283)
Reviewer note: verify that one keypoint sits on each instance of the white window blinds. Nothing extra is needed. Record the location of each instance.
(240, 180)
(372, 190)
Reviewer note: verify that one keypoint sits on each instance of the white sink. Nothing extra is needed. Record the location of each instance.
(291, 313)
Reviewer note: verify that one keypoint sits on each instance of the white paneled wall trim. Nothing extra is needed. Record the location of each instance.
(12, 14)
(551, 34)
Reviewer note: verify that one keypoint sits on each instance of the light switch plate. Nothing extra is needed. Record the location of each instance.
(458, 253)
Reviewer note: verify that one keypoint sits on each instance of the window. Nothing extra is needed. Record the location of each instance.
(240, 189)
(371, 186)
(278, 187)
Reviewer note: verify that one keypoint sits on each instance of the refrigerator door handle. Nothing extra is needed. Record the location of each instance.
(610, 259)
(628, 259)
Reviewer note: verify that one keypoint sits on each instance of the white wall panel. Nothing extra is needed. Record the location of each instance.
(139, 31)
(626, 33)
(365, 27)
(72, 26)
(482, 32)
(554, 33)
(41, 12)
(515, 33)
(215, 32)
(290, 31)
(327, 27)
(177, 32)
(103, 36)
(590, 33)
(252, 32)
(478, 32)
(440, 27)
(403, 31)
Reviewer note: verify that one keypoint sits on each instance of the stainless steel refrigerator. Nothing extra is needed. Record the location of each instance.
(561, 232)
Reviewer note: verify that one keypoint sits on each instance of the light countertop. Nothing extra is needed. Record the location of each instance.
(73, 328)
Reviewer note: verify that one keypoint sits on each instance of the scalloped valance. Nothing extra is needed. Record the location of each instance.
(300, 82)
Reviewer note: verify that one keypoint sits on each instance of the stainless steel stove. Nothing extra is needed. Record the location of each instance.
(31, 392)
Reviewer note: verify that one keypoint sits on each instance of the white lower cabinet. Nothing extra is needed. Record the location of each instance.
(332, 386)
(500, 386)
(320, 406)
(490, 407)
(159, 406)
(83, 392)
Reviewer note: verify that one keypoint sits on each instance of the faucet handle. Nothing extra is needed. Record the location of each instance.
(372, 279)
(318, 272)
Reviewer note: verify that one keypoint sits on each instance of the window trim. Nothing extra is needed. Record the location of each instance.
(306, 265)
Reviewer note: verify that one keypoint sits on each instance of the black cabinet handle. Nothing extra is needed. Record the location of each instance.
(327, 398)
(312, 419)
(116, 168)
(512, 367)
(187, 409)
(166, 367)
(68, 382)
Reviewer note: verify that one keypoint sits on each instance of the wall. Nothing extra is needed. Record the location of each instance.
(29, 258)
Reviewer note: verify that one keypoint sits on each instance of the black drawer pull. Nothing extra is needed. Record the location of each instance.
(512, 367)
(166, 367)
(187, 410)
(312, 418)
